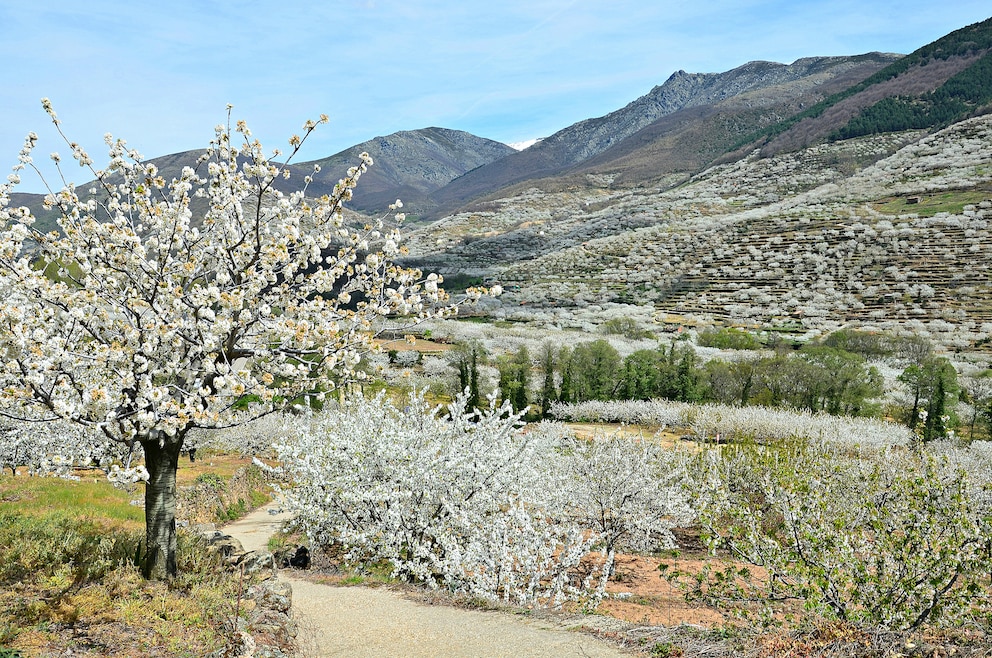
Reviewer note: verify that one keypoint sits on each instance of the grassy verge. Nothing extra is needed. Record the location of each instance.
(950, 201)
(70, 582)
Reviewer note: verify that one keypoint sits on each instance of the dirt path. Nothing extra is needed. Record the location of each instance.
(359, 622)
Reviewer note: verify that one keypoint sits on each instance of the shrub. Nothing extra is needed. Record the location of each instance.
(887, 540)
(728, 338)
(627, 327)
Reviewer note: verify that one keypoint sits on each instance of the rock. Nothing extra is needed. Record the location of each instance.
(273, 624)
(273, 594)
(270, 624)
(270, 652)
(254, 561)
(227, 546)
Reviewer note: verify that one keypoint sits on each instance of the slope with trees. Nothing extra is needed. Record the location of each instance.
(950, 75)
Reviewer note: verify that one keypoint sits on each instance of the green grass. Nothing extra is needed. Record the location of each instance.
(952, 201)
(39, 496)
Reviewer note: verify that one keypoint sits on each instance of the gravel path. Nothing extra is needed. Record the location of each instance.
(359, 622)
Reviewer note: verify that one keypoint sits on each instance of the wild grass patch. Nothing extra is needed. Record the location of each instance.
(73, 583)
(950, 201)
(69, 575)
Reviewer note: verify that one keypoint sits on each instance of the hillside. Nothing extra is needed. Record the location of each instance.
(680, 125)
(812, 239)
(942, 82)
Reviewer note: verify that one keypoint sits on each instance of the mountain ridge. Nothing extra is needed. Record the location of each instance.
(410, 165)
(585, 139)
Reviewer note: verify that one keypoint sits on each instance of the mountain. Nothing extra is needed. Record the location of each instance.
(409, 165)
(942, 82)
(693, 120)
(707, 112)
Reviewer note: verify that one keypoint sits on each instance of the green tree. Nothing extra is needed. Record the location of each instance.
(641, 375)
(838, 382)
(728, 338)
(548, 392)
(594, 369)
(565, 367)
(774, 380)
(868, 344)
(521, 396)
(627, 327)
(514, 379)
(683, 384)
(730, 382)
(933, 388)
(671, 374)
(467, 360)
(979, 393)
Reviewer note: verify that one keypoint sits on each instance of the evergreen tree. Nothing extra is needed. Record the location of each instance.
(933, 387)
(548, 392)
(565, 366)
(467, 360)
(521, 362)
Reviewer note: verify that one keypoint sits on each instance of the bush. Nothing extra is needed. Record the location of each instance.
(627, 327)
(887, 540)
(728, 338)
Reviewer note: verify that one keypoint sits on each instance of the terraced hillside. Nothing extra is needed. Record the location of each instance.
(817, 238)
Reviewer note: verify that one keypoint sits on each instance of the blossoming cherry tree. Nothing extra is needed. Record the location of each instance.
(163, 306)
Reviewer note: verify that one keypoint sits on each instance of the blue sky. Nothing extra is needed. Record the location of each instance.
(161, 74)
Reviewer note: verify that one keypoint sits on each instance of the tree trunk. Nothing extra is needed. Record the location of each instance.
(160, 509)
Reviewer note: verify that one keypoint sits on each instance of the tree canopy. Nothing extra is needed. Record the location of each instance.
(201, 302)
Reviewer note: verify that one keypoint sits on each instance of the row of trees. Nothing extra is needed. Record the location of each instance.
(817, 378)
(832, 376)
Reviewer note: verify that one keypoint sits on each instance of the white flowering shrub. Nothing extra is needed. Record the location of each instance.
(407, 358)
(165, 306)
(628, 492)
(450, 498)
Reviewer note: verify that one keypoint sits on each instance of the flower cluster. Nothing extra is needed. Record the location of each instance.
(163, 306)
